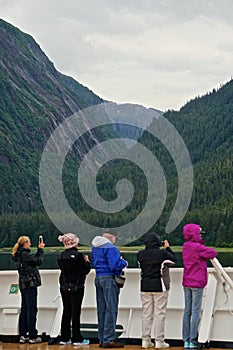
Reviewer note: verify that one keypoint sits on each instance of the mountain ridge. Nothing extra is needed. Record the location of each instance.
(36, 98)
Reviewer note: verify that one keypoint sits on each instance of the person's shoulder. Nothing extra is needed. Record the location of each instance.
(73, 252)
(109, 245)
(65, 254)
(24, 252)
(61, 253)
(110, 249)
(140, 253)
(16, 256)
(191, 244)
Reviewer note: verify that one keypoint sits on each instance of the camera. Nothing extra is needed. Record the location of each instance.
(41, 239)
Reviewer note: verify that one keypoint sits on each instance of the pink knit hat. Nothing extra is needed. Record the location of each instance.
(69, 240)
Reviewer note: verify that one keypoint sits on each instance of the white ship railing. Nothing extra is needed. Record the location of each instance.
(217, 308)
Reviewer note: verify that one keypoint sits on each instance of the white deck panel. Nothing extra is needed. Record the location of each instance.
(218, 328)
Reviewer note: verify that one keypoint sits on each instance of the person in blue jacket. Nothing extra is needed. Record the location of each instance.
(108, 263)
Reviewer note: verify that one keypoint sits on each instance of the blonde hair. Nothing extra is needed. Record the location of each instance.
(20, 243)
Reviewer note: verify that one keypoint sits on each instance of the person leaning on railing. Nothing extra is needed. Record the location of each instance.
(194, 254)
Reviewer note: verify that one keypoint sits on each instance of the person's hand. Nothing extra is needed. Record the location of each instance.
(166, 243)
(86, 258)
(41, 245)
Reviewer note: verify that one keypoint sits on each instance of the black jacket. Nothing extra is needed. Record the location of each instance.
(27, 265)
(150, 260)
(73, 267)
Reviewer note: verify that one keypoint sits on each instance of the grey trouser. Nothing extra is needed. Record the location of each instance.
(154, 307)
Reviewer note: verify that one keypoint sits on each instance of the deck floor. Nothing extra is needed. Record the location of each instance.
(45, 346)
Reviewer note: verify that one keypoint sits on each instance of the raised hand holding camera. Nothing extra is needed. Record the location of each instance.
(41, 242)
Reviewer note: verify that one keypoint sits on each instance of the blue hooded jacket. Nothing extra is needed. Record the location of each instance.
(106, 257)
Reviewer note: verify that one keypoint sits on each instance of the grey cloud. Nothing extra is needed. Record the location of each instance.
(155, 52)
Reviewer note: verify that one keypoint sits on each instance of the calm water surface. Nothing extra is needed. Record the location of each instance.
(50, 260)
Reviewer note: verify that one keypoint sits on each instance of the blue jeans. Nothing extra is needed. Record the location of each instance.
(107, 296)
(191, 318)
(28, 312)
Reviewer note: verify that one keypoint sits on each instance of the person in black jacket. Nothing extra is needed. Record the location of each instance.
(29, 279)
(154, 289)
(74, 268)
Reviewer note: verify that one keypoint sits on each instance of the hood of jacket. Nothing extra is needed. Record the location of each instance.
(192, 233)
(153, 241)
(99, 241)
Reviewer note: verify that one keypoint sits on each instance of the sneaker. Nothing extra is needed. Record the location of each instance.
(161, 345)
(84, 342)
(192, 346)
(35, 340)
(186, 345)
(65, 342)
(23, 339)
(147, 344)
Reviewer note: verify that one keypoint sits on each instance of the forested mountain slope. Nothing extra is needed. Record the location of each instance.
(35, 98)
(206, 126)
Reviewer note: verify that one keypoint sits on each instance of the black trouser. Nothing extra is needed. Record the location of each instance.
(28, 312)
(72, 302)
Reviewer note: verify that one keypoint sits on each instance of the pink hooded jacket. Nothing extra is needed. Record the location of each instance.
(194, 255)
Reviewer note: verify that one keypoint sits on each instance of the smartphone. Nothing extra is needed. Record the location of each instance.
(40, 239)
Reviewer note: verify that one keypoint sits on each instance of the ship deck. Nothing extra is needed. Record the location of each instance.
(45, 346)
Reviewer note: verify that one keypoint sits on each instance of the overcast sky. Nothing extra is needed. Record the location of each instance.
(158, 53)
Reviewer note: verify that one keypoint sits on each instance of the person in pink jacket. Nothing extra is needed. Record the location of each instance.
(195, 255)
